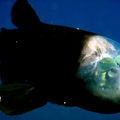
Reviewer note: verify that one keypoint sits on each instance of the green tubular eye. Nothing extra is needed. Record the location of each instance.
(106, 64)
(117, 59)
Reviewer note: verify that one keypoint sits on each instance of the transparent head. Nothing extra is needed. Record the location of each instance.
(99, 67)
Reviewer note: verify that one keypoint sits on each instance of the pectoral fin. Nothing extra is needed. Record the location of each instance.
(14, 98)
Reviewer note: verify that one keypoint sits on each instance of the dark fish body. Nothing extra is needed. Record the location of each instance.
(36, 66)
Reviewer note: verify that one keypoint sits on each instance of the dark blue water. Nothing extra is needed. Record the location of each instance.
(99, 16)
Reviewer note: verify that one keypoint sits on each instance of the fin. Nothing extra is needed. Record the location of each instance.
(23, 15)
(10, 94)
(19, 98)
(6, 88)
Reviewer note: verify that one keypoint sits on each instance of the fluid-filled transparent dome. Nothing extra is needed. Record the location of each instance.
(99, 67)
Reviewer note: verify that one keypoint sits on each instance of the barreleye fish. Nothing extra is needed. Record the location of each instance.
(42, 63)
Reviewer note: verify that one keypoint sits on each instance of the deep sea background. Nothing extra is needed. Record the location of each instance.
(99, 16)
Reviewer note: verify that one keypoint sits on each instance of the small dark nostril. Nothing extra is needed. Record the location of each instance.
(118, 64)
(113, 70)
